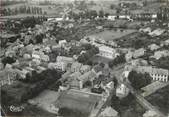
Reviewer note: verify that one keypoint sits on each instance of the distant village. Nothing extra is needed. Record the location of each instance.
(85, 66)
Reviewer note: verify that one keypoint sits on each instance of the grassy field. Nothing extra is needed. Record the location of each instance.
(45, 99)
(113, 34)
(160, 99)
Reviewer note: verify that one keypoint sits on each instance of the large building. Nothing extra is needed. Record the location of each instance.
(107, 52)
(157, 74)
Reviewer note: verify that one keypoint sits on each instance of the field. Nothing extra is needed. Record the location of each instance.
(51, 10)
(113, 34)
(45, 99)
(160, 99)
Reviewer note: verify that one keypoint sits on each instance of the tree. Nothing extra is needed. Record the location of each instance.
(101, 13)
(112, 6)
(93, 14)
(39, 38)
(16, 11)
(139, 80)
(28, 10)
(138, 43)
(118, 60)
(163, 62)
(89, 53)
(87, 84)
(8, 60)
(107, 14)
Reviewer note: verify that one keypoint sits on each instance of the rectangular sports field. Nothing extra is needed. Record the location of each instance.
(109, 35)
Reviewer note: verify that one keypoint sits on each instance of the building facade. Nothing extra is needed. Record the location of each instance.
(107, 52)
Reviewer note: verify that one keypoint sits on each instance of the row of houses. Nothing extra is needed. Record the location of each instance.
(153, 33)
(104, 47)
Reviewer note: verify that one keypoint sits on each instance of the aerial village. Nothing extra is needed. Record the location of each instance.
(87, 63)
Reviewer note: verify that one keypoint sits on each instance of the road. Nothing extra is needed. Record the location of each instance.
(117, 72)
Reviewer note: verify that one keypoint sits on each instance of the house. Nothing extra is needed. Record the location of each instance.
(157, 32)
(36, 62)
(57, 65)
(97, 69)
(62, 42)
(107, 52)
(22, 73)
(151, 113)
(31, 70)
(10, 53)
(129, 56)
(153, 47)
(40, 69)
(37, 54)
(138, 53)
(7, 76)
(75, 75)
(164, 43)
(62, 62)
(167, 42)
(158, 54)
(85, 68)
(108, 87)
(45, 58)
(109, 112)
(75, 84)
(26, 56)
(138, 62)
(88, 76)
(64, 59)
(145, 30)
(61, 66)
(122, 91)
(76, 67)
(112, 18)
(65, 76)
(125, 75)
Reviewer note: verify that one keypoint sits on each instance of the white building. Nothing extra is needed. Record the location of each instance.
(122, 91)
(112, 18)
(62, 42)
(157, 74)
(138, 53)
(107, 52)
(153, 47)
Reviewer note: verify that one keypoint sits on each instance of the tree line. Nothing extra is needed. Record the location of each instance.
(22, 10)
(89, 14)
(11, 2)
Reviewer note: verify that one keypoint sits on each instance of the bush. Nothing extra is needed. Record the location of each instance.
(8, 60)
(139, 80)
(20, 92)
(85, 57)
(118, 60)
